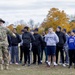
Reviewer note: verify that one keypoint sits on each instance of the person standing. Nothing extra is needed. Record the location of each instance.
(37, 46)
(31, 49)
(9, 47)
(60, 45)
(27, 40)
(4, 45)
(21, 47)
(71, 45)
(43, 48)
(66, 47)
(51, 41)
(15, 51)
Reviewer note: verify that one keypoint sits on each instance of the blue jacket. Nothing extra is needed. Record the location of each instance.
(71, 43)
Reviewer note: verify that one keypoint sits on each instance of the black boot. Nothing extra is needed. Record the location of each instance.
(74, 66)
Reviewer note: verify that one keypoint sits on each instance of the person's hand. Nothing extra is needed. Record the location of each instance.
(14, 35)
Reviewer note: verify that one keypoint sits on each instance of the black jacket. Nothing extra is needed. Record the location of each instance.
(43, 45)
(27, 39)
(38, 40)
(15, 40)
(62, 39)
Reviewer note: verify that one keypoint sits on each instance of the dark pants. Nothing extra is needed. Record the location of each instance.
(21, 53)
(26, 55)
(36, 52)
(71, 57)
(59, 49)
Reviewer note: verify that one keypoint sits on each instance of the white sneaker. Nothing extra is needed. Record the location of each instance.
(41, 61)
(55, 64)
(10, 63)
(60, 63)
(16, 63)
(47, 61)
(48, 64)
(67, 64)
(64, 65)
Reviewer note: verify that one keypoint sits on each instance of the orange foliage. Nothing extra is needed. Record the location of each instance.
(19, 28)
(56, 18)
(10, 27)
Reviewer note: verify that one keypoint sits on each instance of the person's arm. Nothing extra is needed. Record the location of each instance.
(19, 39)
(56, 38)
(46, 38)
(68, 40)
(41, 39)
(64, 37)
(22, 36)
(32, 37)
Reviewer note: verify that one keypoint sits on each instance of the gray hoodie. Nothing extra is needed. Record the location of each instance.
(51, 39)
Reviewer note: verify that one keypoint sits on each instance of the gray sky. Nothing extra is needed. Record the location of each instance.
(13, 10)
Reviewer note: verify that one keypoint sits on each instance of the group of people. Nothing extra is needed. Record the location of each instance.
(51, 44)
(63, 42)
(31, 42)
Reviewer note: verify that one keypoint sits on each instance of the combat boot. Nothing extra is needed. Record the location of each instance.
(6, 67)
(1, 66)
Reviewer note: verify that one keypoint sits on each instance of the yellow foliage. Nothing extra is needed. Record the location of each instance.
(56, 18)
(41, 29)
(10, 27)
(72, 25)
(19, 28)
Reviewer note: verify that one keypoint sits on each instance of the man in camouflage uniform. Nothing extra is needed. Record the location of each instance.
(4, 45)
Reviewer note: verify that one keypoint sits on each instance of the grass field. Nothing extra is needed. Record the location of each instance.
(37, 70)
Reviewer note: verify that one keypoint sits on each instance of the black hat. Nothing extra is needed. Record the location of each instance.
(2, 20)
(26, 27)
(73, 30)
(64, 30)
(59, 27)
(36, 29)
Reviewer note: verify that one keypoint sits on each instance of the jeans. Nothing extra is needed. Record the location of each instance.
(66, 54)
(14, 54)
(45, 50)
(9, 49)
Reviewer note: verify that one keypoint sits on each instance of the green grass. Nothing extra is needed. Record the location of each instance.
(37, 70)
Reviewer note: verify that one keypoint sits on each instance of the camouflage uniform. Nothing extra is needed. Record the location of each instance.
(3, 46)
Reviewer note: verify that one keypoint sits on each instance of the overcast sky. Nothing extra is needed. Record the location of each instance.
(13, 10)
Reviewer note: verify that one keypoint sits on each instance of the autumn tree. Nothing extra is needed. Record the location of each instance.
(19, 28)
(56, 18)
(10, 27)
(72, 24)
